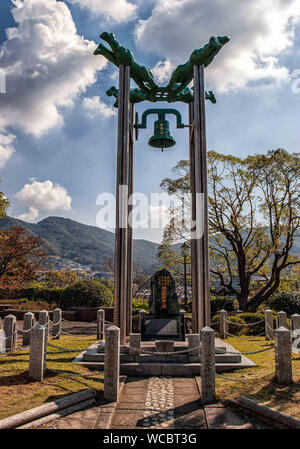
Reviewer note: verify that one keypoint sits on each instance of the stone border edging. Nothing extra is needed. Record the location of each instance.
(38, 412)
(268, 413)
(60, 414)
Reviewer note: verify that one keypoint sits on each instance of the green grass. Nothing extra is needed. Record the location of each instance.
(264, 390)
(18, 392)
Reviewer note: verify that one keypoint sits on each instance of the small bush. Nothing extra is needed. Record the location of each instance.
(86, 293)
(232, 328)
(286, 302)
(253, 318)
(218, 303)
(138, 305)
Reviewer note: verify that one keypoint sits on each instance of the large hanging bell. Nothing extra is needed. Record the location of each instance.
(161, 137)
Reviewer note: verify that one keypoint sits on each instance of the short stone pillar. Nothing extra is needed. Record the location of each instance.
(10, 330)
(112, 364)
(28, 323)
(141, 313)
(56, 331)
(194, 347)
(295, 326)
(134, 346)
(269, 325)
(2, 341)
(208, 369)
(164, 345)
(44, 321)
(283, 356)
(37, 356)
(281, 320)
(100, 324)
(223, 324)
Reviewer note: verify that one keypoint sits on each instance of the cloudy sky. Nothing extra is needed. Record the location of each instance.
(58, 128)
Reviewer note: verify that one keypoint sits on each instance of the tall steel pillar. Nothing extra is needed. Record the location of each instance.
(122, 184)
(200, 240)
(130, 230)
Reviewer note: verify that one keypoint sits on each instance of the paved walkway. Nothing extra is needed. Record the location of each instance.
(159, 403)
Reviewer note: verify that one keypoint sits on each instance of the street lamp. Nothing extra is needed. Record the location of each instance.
(184, 252)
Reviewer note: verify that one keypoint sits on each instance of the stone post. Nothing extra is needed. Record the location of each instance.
(194, 347)
(2, 341)
(37, 356)
(100, 324)
(269, 326)
(141, 313)
(28, 324)
(283, 356)
(281, 319)
(223, 324)
(112, 364)
(44, 321)
(10, 330)
(57, 316)
(295, 326)
(208, 370)
(134, 346)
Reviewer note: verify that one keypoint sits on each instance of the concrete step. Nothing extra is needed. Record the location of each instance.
(93, 356)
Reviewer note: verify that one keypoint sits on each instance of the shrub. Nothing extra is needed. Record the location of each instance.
(253, 318)
(139, 305)
(218, 303)
(86, 293)
(232, 328)
(288, 302)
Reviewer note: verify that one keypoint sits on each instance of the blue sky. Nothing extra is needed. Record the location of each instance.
(58, 128)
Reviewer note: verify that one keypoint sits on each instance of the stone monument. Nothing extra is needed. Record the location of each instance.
(165, 320)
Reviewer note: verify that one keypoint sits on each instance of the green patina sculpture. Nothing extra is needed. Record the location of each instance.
(177, 89)
(163, 299)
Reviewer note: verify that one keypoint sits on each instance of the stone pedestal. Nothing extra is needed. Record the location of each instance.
(10, 326)
(194, 347)
(223, 324)
(100, 324)
(134, 346)
(37, 356)
(164, 346)
(28, 324)
(281, 319)
(112, 364)
(207, 336)
(57, 316)
(283, 356)
(269, 325)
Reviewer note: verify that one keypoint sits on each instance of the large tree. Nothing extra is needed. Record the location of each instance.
(253, 219)
(20, 256)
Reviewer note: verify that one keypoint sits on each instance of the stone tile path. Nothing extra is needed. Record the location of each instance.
(159, 403)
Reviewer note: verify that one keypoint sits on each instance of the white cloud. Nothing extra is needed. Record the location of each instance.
(117, 10)
(260, 30)
(6, 147)
(31, 215)
(94, 106)
(47, 65)
(43, 196)
(162, 70)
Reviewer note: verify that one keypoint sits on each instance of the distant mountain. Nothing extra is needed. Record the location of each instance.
(87, 245)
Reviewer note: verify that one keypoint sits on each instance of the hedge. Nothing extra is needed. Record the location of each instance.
(286, 302)
(232, 328)
(85, 293)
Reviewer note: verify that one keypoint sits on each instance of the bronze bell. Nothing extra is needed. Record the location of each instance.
(161, 137)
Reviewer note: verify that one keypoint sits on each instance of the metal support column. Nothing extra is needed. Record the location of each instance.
(122, 181)
(200, 246)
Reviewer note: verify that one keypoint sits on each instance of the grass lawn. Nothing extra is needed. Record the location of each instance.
(265, 390)
(19, 393)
